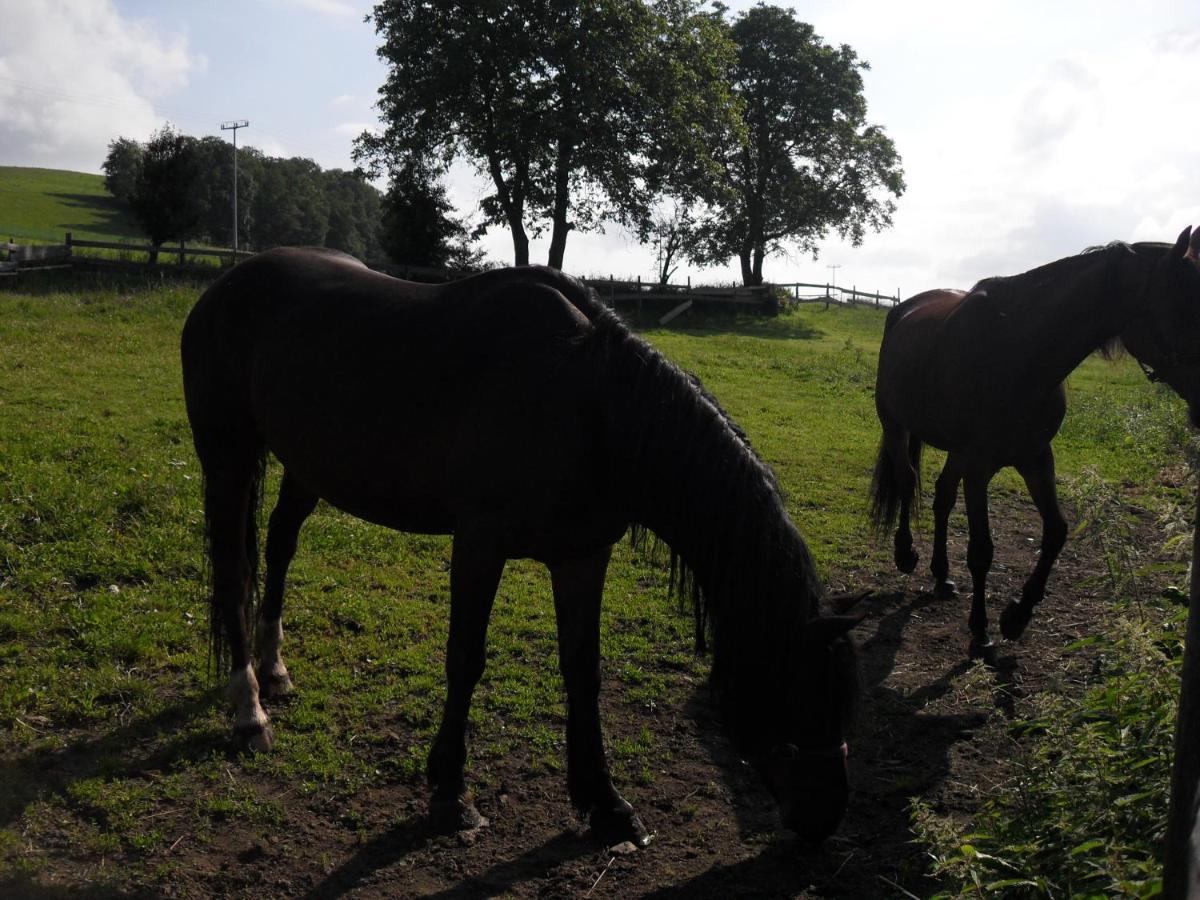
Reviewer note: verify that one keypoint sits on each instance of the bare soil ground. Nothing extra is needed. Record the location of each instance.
(919, 734)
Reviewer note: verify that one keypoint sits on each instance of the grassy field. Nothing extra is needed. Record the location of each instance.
(42, 205)
(113, 743)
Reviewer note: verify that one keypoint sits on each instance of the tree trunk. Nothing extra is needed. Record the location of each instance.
(562, 203)
(1180, 876)
(747, 268)
(520, 243)
(512, 201)
(558, 242)
(759, 254)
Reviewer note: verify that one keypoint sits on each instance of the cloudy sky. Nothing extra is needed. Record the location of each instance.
(1028, 129)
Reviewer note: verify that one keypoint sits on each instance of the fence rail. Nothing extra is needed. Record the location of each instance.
(44, 256)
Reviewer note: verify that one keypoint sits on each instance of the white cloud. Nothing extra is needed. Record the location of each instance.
(340, 9)
(75, 74)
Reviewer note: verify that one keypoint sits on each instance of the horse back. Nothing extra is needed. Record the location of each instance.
(414, 406)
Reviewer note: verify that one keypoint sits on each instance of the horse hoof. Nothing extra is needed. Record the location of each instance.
(274, 687)
(459, 814)
(981, 647)
(1013, 620)
(615, 826)
(944, 590)
(256, 738)
(906, 560)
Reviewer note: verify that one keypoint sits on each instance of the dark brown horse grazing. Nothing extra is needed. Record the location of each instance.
(980, 375)
(517, 413)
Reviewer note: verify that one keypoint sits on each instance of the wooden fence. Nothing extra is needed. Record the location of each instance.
(24, 257)
(686, 295)
(681, 297)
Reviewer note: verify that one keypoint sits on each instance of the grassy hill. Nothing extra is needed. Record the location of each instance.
(44, 204)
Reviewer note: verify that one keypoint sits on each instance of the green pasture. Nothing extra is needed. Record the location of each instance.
(113, 741)
(42, 205)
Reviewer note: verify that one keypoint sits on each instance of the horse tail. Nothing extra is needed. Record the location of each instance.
(232, 458)
(886, 492)
(218, 647)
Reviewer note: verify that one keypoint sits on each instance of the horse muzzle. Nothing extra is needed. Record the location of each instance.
(812, 789)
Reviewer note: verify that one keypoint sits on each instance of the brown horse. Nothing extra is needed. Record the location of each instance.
(980, 375)
(514, 411)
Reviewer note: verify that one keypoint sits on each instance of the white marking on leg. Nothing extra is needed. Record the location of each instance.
(272, 673)
(250, 720)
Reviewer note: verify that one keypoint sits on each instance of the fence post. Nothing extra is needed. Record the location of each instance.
(1179, 862)
(639, 293)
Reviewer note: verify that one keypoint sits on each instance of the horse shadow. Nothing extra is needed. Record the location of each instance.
(899, 750)
(372, 861)
(42, 774)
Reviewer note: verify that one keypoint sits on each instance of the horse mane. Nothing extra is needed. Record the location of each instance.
(1029, 286)
(696, 484)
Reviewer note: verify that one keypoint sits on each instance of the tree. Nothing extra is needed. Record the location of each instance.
(122, 167)
(571, 108)
(167, 199)
(418, 228)
(807, 162)
(215, 160)
(669, 235)
(355, 214)
(290, 207)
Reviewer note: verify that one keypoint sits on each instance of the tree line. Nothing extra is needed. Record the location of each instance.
(751, 130)
(180, 187)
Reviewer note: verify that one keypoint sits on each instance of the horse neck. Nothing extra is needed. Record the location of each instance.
(691, 477)
(1072, 316)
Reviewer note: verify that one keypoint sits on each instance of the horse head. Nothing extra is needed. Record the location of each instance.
(805, 764)
(1164, 333)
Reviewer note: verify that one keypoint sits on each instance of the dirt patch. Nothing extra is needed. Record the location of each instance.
(919, 734)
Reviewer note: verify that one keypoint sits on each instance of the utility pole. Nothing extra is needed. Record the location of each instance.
(234, 126)
(832, 281)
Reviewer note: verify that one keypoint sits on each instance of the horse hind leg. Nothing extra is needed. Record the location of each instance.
(578, 588)
(893, 486)
(979, 558)
(229, 497)
(1039, 479)
(294, 505)
(475, 571)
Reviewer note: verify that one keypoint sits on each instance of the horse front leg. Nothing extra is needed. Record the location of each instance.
(578, 587)
(945, 496)
(1039, 479)
(294, 505)
(475, 572)
(979, 558)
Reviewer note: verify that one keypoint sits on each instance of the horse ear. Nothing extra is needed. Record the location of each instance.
(1182, 244)
(1193, 250)
(824, 630)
